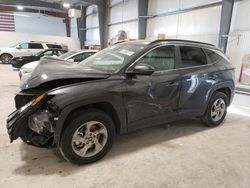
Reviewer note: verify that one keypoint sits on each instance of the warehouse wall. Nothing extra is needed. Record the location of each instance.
(120, 14)
(39, 24)
(202, 24)
(239, 37)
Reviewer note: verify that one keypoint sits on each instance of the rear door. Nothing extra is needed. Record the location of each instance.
(153, 99)
(197, 79)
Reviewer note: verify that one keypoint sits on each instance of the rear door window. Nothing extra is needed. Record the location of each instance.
(192, 56)
(35, 46)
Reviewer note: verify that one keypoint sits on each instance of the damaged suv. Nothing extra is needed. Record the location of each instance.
(79, 108)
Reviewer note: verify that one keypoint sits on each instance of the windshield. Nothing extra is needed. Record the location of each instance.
(67, 54)
(113, 58)
(39, 53)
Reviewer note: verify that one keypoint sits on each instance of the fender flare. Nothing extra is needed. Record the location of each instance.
(68, 109)
(227, 84)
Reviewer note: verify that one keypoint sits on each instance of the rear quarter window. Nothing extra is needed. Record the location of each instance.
(214, 57)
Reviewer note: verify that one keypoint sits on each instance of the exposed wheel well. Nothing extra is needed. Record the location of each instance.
(105, 107)
(227, 92)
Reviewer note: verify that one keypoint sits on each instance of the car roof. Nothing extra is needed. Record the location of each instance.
(171, 41)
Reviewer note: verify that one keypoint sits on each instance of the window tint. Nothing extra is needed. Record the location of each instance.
(162, 58)
(88, 54)
(213, 56)
(24, 46)
(60, 52)
(54, 46)
(77, 58)
(192, 56)
(35, 46)
(49, 53)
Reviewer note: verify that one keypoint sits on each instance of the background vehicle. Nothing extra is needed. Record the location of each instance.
(18, 62)
(71, 56)
(24, 49)
(78, 108)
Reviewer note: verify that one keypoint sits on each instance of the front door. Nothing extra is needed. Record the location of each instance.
(153, 99)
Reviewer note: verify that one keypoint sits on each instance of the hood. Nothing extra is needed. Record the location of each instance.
(30, 65)
(51, 73)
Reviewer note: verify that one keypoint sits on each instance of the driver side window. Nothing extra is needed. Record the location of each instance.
(24, 46)
(161, 58)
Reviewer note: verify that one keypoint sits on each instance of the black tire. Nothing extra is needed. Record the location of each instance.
(6, 58)
(207, 117)
(73, 123)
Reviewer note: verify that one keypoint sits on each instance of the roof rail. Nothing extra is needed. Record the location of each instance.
(179, 40)
(43, 42)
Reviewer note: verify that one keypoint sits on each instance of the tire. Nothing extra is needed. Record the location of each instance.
(76, 136)
(209, 118)
(6, 58)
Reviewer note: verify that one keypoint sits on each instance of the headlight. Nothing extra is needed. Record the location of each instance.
(26, 106)
(32, 103)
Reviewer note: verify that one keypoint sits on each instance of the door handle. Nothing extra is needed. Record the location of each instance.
(172, 84)
(212, 77)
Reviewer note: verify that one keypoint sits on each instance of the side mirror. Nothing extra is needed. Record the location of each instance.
(71, 60)
(142, 69)
(18, 47)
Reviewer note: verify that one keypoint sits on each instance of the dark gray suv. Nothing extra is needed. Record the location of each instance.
(78, 108)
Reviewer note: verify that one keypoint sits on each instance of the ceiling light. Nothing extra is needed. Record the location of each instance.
(66, 5)
(19, 7)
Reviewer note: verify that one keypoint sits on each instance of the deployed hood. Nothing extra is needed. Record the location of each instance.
(51, 73)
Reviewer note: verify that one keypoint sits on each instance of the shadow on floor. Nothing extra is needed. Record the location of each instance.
(43, 161)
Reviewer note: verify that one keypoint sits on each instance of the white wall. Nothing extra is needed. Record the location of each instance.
(39, 24)
(202, 24)
(121, 13)
(239, 37)
(10, 38)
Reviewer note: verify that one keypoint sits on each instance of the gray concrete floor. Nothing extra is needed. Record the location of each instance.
(185, 155)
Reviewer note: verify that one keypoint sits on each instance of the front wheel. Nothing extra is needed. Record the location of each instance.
(216, 110)
(6, 58)
(88, 137)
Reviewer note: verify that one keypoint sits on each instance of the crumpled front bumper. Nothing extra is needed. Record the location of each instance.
(17, 123)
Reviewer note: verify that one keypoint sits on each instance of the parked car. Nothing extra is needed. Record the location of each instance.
(24, 49)
(18, 62)
(71, 56)
(78, 108)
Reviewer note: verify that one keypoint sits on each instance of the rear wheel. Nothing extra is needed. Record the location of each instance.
(216, 110)
(6, 58)
(88, 137)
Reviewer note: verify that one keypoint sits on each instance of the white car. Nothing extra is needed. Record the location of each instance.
(24, 49)
(71, 56)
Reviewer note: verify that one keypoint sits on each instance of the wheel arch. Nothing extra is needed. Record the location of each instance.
(105, 106)
(225, 87)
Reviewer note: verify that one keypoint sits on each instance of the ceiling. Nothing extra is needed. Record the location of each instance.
(46, 4)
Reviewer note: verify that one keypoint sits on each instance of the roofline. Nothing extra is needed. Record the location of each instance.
(179, 40)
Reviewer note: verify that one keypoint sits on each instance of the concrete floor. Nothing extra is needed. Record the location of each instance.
(185, 155)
